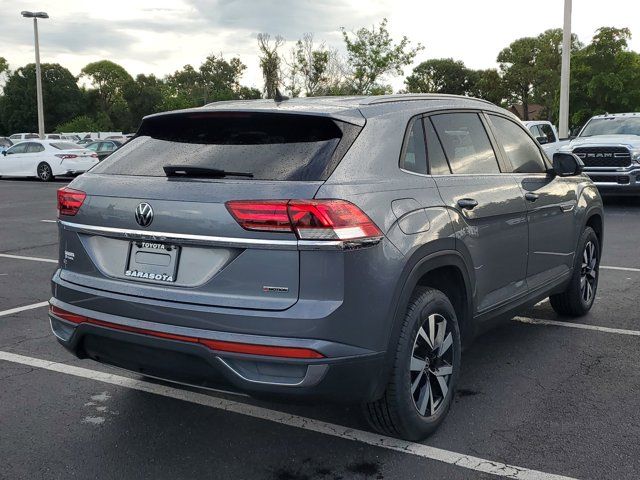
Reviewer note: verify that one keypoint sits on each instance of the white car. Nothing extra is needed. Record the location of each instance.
(18, 137)
(46, 159)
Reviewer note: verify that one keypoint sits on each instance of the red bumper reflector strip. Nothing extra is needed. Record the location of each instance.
(218, 345)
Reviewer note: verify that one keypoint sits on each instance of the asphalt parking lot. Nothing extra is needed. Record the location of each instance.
(540, 397)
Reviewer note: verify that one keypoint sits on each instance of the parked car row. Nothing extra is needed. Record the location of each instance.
(26, 155)
(46, 159)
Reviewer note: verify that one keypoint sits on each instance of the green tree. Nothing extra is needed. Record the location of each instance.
(312, 64)
(270, 62)
(548, 63)
(144, 97)
(605, 76)
(518, 67)
(216, 79)
(439, 75)
(82, 123)
(61, 95)
(372, 55)
(488, 85)
(109, 81)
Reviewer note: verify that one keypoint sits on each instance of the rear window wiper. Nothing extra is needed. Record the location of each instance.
(202, 172)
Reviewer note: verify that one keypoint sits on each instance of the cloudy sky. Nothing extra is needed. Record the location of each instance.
(160, 36)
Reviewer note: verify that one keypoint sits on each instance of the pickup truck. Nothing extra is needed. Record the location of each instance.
(609, 147)
(546, 135)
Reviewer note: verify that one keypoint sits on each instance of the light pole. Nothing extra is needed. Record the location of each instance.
(36, 16)
(564, 75)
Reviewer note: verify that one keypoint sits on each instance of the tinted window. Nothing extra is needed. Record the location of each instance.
(15, 137)
(414, 158)
(547, 131)
(34, 147)
(31, 135)
(18, 148)
(522, 151)
(268, 145)
(465, 143)
(106, 147)
(65, 146)
(93, 146)
(437, 160)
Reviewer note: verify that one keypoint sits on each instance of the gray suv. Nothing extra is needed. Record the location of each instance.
(331, 248)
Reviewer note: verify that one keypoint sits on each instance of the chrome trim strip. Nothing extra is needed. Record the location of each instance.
(179, 237)
(232, 242)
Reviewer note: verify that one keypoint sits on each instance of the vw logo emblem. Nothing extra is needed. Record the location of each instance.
(144, 214)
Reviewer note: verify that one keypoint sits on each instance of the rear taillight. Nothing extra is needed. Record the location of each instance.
(70, 200)
(308, 219)
(66, 156)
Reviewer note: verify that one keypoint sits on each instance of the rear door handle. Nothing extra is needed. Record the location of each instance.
(467, 203)
(532, 197)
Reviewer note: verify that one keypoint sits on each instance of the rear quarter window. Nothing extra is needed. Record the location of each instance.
(65, 146)
(271, 146)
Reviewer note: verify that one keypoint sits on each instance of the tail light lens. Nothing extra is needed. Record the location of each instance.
(308, 219)
(65, 156)
(70, 201)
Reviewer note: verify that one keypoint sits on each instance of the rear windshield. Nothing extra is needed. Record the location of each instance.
(269, 146)
(65, 146)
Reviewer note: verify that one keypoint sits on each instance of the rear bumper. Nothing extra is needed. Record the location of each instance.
(347, 374)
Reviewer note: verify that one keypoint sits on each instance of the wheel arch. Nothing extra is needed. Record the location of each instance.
(445, 270)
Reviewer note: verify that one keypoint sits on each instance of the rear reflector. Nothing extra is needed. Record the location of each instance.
(218, 345)
(308, 219)
(70, 200)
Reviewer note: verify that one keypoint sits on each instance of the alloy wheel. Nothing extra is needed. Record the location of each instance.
(588, 272)
(431, 366)
(44, 172)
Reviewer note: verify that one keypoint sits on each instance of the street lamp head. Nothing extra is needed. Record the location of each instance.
(28, 14)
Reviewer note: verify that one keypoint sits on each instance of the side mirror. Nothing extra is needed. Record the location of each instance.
(542, 140)
(4, 153)
(567, 164)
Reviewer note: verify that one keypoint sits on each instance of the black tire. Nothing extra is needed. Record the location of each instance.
(578, 298)
(44, 172)
(397, 413)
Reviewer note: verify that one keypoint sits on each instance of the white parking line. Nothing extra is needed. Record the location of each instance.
(623, 269)
(49, 221)
(34, 259)
(582, 326)
(11, 311)
(418, 449)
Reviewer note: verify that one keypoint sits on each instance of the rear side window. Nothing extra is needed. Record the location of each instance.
(34, 148)
(465, 143)
(437, 160)
(31, 135)
(65, 146)
(271, 146)
(522, 151)
(414, 158)
(547, 131)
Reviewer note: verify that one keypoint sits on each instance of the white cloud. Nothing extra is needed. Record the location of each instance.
(160, 36)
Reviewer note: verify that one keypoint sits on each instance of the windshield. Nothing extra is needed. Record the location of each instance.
(612, 126)
(267, 145)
